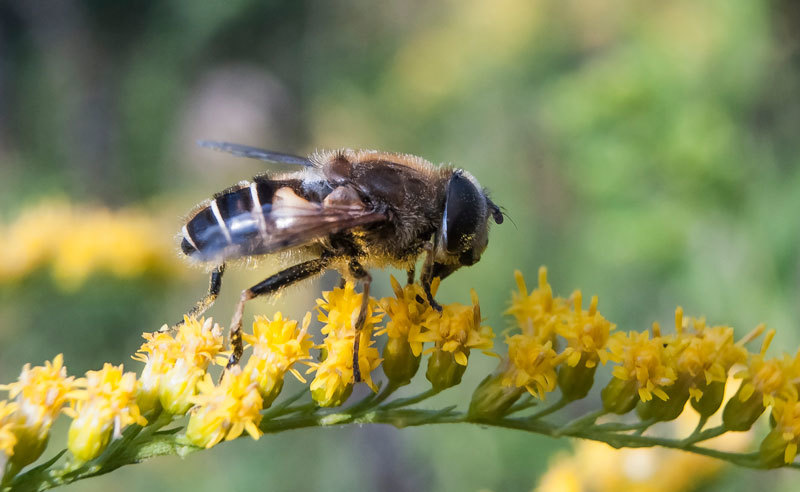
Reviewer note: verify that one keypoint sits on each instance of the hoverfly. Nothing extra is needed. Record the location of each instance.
(348, 210)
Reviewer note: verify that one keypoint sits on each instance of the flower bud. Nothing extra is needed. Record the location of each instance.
(575, 382)
(399, 362)
(775, 451)
(337, 397)
(740, 415)
(619, 396)
(709, 403)
(90, 433)
(669, 409)
(443, 370)
(31, 443)
(178, 387)
(492, 399)
(271, 393)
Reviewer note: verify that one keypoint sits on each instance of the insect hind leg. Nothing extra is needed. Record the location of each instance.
(361, 274)
(214, 286)
(268, 286)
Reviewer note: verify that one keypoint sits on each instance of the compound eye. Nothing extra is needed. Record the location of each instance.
(464, 210)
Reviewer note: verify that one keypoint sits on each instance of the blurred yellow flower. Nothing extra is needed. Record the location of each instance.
(101, 411)
(79, 240)
(225, 411)
(7, 438)
(769, 378)
(787, 424)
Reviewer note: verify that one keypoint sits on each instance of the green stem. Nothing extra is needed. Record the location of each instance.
(561, 403)
(142, 444)
(696, 436)
(619, 427)
(581, 422)
(404, 402)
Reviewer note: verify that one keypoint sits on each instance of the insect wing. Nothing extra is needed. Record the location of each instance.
(291, 220)
(240, 150)
(298, 226)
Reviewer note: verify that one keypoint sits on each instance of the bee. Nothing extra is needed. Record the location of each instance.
(346, 210)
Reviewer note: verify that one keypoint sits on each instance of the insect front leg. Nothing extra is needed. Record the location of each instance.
(265, 287)
(361, 274)
(427, 276)
(411, 271)
(214, 285)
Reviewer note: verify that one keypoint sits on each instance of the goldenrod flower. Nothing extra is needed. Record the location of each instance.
(197, 345)
(102, 410)
(537, 313)
(763, 381)
(703, 357)
(769, 378)
(277, 345)
(8, 440)
(587, 334)
(333, 381)
(225, 411)
(339, 310)
(643, 361)
(457, 330)
(40, 394)
(780, 446)
(532, 365)
(409, 312)
(158, 354)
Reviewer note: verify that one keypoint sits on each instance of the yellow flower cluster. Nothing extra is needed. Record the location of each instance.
(555, 344)
(533, 361)
(77, 241)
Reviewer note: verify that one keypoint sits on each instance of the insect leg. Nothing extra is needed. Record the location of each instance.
(427, 277)
(269, 286)
(411, 272)
(361, 274)
(208, 300)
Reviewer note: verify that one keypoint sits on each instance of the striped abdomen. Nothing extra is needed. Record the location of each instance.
(235, 223)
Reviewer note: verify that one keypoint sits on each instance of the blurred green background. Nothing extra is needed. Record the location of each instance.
(647, 152)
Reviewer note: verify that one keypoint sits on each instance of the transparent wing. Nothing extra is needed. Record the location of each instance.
(290, 227)
(255, 153)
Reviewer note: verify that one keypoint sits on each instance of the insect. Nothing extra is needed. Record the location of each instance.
(348, 210)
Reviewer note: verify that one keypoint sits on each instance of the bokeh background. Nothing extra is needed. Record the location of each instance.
(646, 152)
